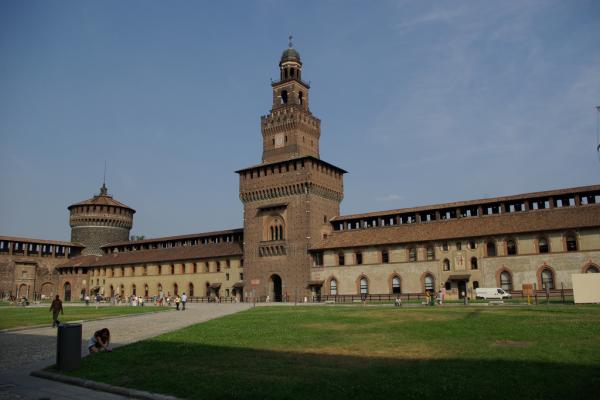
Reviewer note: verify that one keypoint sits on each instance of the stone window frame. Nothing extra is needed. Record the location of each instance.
(487, 248)
(424, 275)
(566, 241)
(499, 272)
(474, 265)
(538, 246)
(331, 279)
(516, 246)
(446, 266)
(590, 265)
(430, 252)
(359, 286)
(391, 278)
(541, 269)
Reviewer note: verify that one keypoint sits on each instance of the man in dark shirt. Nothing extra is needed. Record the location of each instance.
(56, 307)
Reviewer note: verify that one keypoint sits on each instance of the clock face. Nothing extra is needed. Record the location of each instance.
(279, 140)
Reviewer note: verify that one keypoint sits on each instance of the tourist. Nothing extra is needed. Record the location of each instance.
(440, 297)
(398, 301)
(177, 302)
(141, 301)
(183, 301)
(169, 299)
(87, 299)
(56, 307)
(99, 341)
(268, 299)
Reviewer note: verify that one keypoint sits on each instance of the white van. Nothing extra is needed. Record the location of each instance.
(492, 293)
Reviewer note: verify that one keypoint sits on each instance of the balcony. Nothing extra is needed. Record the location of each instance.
(272, 248)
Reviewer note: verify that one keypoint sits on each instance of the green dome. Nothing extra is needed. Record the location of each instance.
(290, 54)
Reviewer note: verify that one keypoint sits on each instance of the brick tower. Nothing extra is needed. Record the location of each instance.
(99, 221)
(290, 197)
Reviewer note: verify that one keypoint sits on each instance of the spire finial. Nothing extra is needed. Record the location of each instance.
(103, 189)
(290, 44)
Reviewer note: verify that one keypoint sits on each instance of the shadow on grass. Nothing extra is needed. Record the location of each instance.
(197, 371)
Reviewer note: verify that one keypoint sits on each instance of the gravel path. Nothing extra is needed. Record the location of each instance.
(30, 349)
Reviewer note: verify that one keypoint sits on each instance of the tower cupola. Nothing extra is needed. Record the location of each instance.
(290, 130)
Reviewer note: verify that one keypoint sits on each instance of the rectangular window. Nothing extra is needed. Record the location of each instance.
(318, 257)
(385, 256)
(341, 260)
(359, 259)
(458, 246)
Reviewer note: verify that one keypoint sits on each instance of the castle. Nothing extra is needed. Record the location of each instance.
(294, 243)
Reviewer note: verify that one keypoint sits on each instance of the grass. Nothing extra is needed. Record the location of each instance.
(18, 316)
(546, 352)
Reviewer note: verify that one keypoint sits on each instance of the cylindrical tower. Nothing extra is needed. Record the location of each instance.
(99, 221)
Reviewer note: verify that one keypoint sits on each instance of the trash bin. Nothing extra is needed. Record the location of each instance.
(68, 347)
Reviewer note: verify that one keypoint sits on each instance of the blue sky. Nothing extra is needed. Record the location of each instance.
(422, 102)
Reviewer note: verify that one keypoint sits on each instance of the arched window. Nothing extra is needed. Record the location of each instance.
(191, 289)
(145, 290)
(159, 287)
(133, 289)
(592, 269)
(505, 281)
(284, 96)
(333, 287)
(446, 264)
(429, 283)
(364, 286)
(175, 289)
(396, 285)
(547, 278)
(473, 262)
(301, 97)
(172, 269)
(571, 242)
(491, 249)
(511, 247)
(67, 288)
(276, 230)
(543, 245)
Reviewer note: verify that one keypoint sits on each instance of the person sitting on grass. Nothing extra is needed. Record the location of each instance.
(99, 341)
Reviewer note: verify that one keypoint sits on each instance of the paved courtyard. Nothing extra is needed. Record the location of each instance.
(27, 350)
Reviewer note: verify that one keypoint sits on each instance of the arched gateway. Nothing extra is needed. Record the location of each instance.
(275, 287)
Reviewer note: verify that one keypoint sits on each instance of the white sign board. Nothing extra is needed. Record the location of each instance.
(586, 288)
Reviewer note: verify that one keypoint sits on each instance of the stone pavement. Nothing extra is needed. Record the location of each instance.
(32, 349)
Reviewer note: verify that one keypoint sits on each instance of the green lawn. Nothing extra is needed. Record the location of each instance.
(546, 352)
(17, 316)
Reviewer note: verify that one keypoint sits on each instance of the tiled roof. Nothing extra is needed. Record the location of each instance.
(179, 237)
(101, 201)
(282, 162)
(532, 195)
(40, 241)
(179, 253)
(586, 216)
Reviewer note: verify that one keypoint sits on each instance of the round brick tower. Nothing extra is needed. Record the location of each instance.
(99, 221)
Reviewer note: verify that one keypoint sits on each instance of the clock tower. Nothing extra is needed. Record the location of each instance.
(290, 197)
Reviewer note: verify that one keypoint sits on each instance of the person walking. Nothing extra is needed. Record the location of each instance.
(56, 307)
(177, 300)
(183, 301)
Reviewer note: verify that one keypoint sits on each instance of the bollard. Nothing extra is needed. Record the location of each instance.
(68, 347)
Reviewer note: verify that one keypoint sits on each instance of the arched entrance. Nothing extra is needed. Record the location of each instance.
(67, 287)
(275, 287)
(23, 291)
(46, 290)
